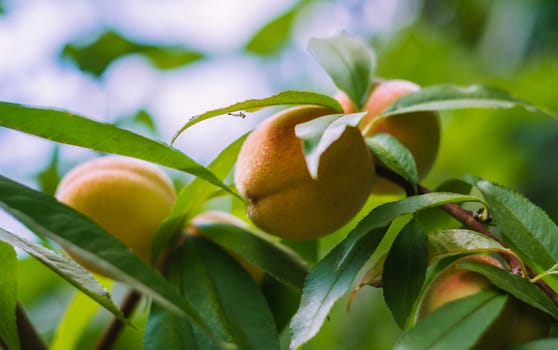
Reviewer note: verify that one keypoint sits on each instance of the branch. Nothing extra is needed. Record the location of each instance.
(113, 330)
(467, 218)
(28, 336)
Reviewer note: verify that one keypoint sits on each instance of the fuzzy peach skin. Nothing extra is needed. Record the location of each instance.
(129, 198)
(282, 198)
(418, 131)
(518, 322)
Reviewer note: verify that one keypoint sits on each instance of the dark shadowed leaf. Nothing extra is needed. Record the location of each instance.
(395, 156)
(47, 217)
(446, 97)
(68, 128)
(109, 46)
(325, 284)
(319, 133)
(282, 98)
(210, 278)
(515, 285)
(349, 62)
(405, 270)
(457, 325)
(8, 296)
(275, 259)
(522, 223)
(446, 243)
(66, 268)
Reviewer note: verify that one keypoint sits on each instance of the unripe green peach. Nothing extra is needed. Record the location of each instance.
(418, 131)
(517, 323)
(282, 197)
(127, 197)
(210, 217)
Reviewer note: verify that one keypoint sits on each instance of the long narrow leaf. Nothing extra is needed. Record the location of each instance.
(47, 217)
(67, 269)
(325, 284)
(282, 98)
(447, 97)
(68, 128)
(527, 226)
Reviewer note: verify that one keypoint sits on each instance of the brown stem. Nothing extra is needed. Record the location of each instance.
(28, 336)
(113, 330)
(466, 217)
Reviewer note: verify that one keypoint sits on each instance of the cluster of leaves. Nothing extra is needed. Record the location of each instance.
(205, 300)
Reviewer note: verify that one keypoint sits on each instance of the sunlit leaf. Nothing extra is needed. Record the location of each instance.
(47, 217)
(527, 226)
(395, 156)
(282, 98)
(325, 284)
(446, 243)
(447, 97)
(8, 296)
(49, 177)
(77, 317)
(193, 196)
(405, 270)
(515, 285)
(319, 133)
(68, 128)
(109, 46)
(457, 325)
(349, 62)
(222, 291)
(385, 213)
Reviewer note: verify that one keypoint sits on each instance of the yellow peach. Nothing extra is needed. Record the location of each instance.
(127, 197)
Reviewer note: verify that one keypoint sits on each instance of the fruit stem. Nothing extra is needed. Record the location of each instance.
(113, 330)
(468, 219)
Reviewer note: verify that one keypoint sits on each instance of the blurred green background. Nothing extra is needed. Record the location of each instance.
(149, 66)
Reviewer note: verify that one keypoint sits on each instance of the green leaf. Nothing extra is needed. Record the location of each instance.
(326, 283)
(66, 268)
(447, 97)
(319, 133)
(405, 270)
(77, 317)
(274, 36)
(522, 223)
(222, 291)
(275, 259)
(457, 325)
(515, 285)
(283, 98)
(192, 196)
(349, 62)
(8, 296)
(543, 344)
(109, 46)
(47, 217)
(446, 243)
(64, 127)
(384, 214)
(395, 156)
